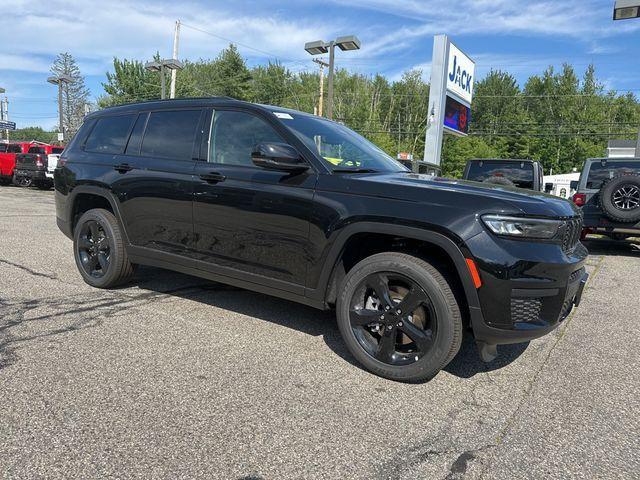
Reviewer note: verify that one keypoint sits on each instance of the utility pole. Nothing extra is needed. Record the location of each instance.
(5, 116)
(322, 64)
(174, 72)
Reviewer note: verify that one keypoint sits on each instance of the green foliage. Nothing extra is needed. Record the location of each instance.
(75, 95)
(33, 133)
(557, 117)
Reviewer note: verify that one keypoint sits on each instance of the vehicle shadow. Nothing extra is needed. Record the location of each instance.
(298, 317)
(607, 246)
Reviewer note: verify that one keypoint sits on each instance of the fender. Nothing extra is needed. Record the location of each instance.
(413, 233)
(98, 191)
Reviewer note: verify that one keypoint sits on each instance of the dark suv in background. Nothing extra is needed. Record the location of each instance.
(293, 205)
(526, 174)
(608, 193)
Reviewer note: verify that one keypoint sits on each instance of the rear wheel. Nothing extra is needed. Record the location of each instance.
(99, 250)
(22, 181)
(399, 317)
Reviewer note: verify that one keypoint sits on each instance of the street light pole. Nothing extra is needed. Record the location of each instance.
(332, 48)
(60, 80)
(626, 10)
(349, 42)
(174, 72)
(160, 66)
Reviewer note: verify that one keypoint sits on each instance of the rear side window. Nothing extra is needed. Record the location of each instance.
(109, 135)
(3, 148)
(36, 150)
(598, 173)
(14, 149)
(171, 134)
(520, 173)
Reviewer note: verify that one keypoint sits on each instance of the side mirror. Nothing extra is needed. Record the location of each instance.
(573, 185)
(548, 187)
(278, 156)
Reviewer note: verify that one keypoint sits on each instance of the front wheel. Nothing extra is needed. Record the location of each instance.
(399, 317)
(99, 250)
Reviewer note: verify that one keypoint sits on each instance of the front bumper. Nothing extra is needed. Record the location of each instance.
(528, 288)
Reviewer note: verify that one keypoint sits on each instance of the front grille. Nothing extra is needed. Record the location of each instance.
(525, 309)
(571, 235)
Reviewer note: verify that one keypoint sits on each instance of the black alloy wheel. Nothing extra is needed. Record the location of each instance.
(399, 317)
(94, 249)
(627, 197)
(393, 318)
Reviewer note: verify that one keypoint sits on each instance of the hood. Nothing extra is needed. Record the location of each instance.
(481, 197)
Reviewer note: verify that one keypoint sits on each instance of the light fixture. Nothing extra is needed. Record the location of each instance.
(626, 9)
(350, 42)
(316, 48)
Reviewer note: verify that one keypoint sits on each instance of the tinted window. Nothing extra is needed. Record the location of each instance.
(36, 150)
(598, 173)
(57, 149)
(235, 134)
(133, 147)
(519, 173)
(171, 134)
(109, 134)
(3, 147)
(14, 148)
(340, 147)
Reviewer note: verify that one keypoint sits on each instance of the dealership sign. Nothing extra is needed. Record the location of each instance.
(450, 94)
(460, 74)
(7, 125)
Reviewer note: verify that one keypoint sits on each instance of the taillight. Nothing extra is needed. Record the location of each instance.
(39, 161)
(579, 199)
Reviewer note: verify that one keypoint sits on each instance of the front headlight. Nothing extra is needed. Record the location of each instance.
(522, 227)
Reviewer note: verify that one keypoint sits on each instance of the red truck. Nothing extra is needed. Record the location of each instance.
(8, 152)
(36, 166)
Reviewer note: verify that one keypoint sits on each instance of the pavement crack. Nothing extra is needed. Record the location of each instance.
(29, 270)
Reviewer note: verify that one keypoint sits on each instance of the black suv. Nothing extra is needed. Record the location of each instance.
(296, 206)
(507, 172)
(609, 194)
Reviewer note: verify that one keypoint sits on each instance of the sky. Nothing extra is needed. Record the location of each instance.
(522, 37)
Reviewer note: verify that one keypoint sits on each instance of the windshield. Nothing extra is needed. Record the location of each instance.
(518, 173)
(598, 172)
(340, 147)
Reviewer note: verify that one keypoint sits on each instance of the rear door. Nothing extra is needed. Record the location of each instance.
(154, 179)
(251, 222)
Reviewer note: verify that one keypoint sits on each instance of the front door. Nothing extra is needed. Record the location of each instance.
(248, 221)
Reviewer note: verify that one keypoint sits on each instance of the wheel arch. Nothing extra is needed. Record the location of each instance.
(334, 266)
(87, 197)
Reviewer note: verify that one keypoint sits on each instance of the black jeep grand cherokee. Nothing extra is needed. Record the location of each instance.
(299, 207)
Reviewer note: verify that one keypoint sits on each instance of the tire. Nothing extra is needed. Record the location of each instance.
(423, 343)
(98, 231)
(21, 181)
(619, 198)
(43, 185)
(499, 181)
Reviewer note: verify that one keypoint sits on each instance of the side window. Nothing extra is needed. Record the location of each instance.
(109, 135)
(135, 140)
(171, 134)
(234, 134)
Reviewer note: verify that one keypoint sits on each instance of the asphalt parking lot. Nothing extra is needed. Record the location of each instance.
(177, 377)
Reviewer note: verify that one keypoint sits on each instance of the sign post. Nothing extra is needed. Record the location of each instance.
(450, 95)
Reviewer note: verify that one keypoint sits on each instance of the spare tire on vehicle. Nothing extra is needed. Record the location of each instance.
(499, 181)
(620, 198)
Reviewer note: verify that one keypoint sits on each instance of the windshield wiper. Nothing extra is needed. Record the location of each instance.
(354, 170)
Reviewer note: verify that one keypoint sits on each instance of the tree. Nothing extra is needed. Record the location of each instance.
(75, 95)
(231, 77)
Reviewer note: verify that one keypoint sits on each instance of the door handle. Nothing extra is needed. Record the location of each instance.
(123, 167)
(213, 177)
